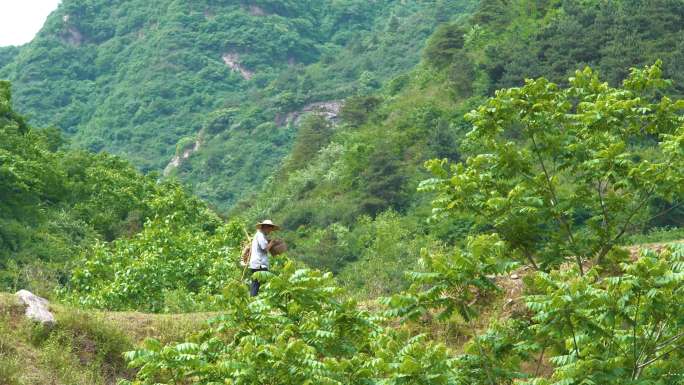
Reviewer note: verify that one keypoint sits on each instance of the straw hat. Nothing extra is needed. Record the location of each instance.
(268, 222)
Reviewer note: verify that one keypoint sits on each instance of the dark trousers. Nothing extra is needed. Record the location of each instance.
(254, 286)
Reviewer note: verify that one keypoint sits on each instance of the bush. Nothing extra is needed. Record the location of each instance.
(172, 265)
(313, 134)
(567, 172)
(445, 45)
(357, 109)
(385, 247)
(299, 330)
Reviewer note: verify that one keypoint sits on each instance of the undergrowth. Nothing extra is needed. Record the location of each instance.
(81, 349)
(656, 235)
(9, 363)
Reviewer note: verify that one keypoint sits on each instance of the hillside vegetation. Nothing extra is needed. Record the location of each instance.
(56, 203)
(361, 179)
(143, 79)
(557, 203)
(559, 174)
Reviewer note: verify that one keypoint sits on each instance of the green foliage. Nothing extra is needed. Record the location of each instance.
(381, 248)
(550, 173)
(657, 234)
(7, 54)
(562, 173)
(356, 109)
(380, 146)
(167, 80)
(54, 203)
(453, 282)
(135, 78)
(445, 45)
(173, 264)
(384, 182)
(298, 330)
(553, 38)
(313, 134)
(496, 355)
(371, 168)
(623, 328)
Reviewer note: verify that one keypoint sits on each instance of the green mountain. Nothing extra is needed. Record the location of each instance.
(217, 87)
(7, 54)
(480, 225)
(353, 206)
(150, 80)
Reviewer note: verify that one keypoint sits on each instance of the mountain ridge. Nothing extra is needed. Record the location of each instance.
(136, 78)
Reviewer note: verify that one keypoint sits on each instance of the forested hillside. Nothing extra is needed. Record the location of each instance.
(357, 201)
(149, 80)
(56, 203)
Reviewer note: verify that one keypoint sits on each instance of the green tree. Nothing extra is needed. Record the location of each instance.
(566, 173)
(616, 328)
(393, 23)
(444, 45)
(356, 109)
(56, 202)
(313, 134)
(383, 182)
(563, 174)
(453, 281)
(178, 262)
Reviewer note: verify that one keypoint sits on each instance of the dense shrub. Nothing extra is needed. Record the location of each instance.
(171, 265)
(299, 330)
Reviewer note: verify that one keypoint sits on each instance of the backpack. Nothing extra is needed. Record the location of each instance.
(246, 249)
(246, 252)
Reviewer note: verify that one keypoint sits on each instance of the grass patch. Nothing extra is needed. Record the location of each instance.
(656, 235)
(163, 327)
(9, 360)
(60, 357)
(84, 347)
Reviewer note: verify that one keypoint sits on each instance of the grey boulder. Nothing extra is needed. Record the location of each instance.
(37, 308)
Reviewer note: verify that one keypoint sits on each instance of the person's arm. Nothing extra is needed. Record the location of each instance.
(264, 244)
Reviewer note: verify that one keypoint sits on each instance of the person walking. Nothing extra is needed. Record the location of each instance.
(258, 260)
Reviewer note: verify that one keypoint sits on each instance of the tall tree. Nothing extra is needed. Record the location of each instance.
(566, 173)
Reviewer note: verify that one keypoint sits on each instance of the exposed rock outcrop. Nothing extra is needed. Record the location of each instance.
(232, 60)
(37, 308)
(71, 35)
(330, 110)
(256, 10)
(178, 159)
